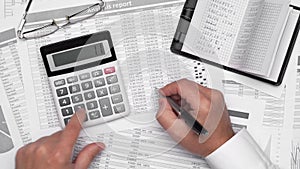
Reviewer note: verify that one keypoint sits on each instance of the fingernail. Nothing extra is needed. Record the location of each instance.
(161, 92)
(81, 114)
(101, 145)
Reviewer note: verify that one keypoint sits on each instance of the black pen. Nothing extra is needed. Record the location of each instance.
(187, 117)
(23, 20)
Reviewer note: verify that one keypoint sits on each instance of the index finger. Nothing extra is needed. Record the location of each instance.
(72, 130)
(186, 89)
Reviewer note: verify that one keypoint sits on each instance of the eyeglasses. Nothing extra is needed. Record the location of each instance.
(55, 25)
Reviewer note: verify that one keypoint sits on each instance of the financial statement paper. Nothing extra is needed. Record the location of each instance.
(123, 21)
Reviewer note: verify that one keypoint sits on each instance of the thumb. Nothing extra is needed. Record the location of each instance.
(87, 154)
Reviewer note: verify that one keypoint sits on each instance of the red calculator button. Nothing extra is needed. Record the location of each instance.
(109, 70)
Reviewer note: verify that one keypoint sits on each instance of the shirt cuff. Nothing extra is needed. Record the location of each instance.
(241, 151)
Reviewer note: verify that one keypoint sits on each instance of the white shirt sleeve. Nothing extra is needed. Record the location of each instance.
(241, 151)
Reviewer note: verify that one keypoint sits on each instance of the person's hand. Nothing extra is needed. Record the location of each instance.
(55, 151)
(206, 105)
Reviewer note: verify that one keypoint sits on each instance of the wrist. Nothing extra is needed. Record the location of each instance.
(217, 140)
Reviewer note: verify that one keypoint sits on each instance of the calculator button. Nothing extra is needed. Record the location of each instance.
(77, 98)
(102, 92)
(99, 82)
(64, 101)
(92, 105)
(79, 106)
(119, 108)
(67, 111)
(74, 88)
(72, 79)
(89, 95)
(114, 89)
(62, 92)
(109, 70)
(94, 115)
(97, 73)
(86, 85)
(67, 120)
(117, 99)
(105, 107)
(112, 79)
(84, 76)
(60, 82)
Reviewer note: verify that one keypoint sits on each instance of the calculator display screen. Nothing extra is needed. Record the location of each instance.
(79, 54)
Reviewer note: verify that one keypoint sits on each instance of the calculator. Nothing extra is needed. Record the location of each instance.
(84, 74)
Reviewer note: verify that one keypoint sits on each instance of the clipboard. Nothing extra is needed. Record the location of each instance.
(182, 29)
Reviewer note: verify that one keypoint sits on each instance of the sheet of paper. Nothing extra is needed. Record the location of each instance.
(272, 90)
(294, 110)
(151, 147)
(275, 91)
(45, 5)
(141, 33)
(295, 3)
(279, 121)
(243, 115)
(11, 8)
(264, 39)
(14, 9)
(284, 44)
(216, 35)
(11, 77)
(10, 140)
(275, 120)
(144, 43)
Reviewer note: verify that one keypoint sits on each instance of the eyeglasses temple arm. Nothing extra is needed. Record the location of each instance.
(20, 27)
(23, 20)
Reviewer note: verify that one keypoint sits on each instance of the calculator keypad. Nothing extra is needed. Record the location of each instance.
(112, 79)
(84, 76)
(62, 92)
(99, 82)
(77, 98)
(97, 73)
(114, 89)
(74, 88)
(92, 105)
(67, 111)
(117, 99)
(87, 85)
(119, 108)
(102, 92)
(105, 107)
(89, 95)
(64, 102)
(98, 92)
(72, 79)
(79, 106)
(94, 115)
(60, 82)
